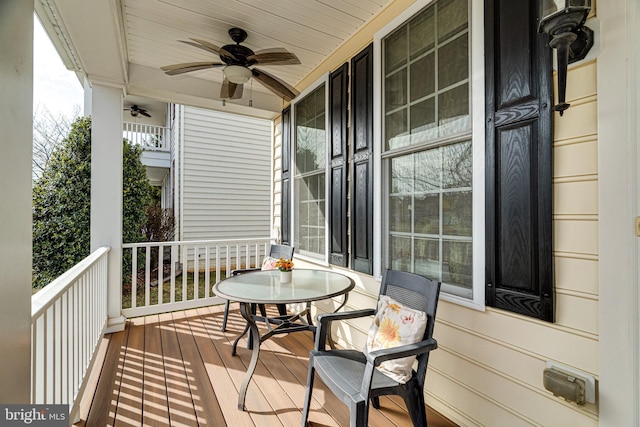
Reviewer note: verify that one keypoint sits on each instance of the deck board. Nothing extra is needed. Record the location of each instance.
(179, 399)
(131, 378)
(176, 369)
(155, 408)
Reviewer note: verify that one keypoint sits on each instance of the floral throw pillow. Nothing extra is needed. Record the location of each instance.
(395, 324)
(269, 263)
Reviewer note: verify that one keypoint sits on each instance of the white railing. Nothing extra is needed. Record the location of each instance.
(68, 318)
(183, 276)
(151, 138)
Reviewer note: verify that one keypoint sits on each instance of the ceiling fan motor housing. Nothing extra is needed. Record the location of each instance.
(239, 54)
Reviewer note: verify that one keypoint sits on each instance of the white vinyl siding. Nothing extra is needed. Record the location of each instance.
(227, 176)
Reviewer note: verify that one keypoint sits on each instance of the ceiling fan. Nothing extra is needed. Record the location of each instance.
(135, 110)
(237, 60)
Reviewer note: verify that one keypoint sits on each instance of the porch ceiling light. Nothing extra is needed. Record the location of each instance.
(237, 74)
(564, 20)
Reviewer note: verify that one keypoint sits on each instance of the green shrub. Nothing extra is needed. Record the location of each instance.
(61, 204)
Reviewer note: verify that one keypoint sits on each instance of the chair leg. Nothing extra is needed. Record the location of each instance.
(414, 400)
(307, 395)
(375, 402)
(226, 314)
(359, 414)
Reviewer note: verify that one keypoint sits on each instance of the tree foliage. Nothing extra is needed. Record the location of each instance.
(49, 130)
(61, 203)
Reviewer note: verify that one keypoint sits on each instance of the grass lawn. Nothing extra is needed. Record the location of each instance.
(166, 289)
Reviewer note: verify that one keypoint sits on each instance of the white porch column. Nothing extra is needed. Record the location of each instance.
(106, 189)
(16, 141)
(619, 206)
(87, 97)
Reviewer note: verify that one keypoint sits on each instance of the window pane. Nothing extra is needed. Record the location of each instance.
(402, 175)
(423, 77)
(456, 213)
(427, 258)
(452, 17)
(428, 170)
(395, 50)
(426, 80)
(400, 214)
(428, 214)
(456, 260)
(457, 165)
(453, 62)
(430, 205)
(400, 253)
(395, 90)
(395, 129)
(426, 87)
(453, 110)
(423, 121)
(310, 158)
(422, 33)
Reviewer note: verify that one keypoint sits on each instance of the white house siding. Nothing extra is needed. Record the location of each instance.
(488, 368)
(226, 176)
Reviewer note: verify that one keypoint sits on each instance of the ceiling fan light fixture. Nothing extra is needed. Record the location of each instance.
(237, 74)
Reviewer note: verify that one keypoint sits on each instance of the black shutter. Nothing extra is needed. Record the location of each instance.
(518, 160)
(285, 159)
(362, 161)
(338, 81)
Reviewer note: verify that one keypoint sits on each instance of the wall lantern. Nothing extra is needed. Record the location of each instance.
(564, 20)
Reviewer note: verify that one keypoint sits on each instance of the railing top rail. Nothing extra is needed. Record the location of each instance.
(43, 299)
(197, 242)
(141, 125)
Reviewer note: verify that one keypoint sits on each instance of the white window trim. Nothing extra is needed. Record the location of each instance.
(322, 80)
(476, 32)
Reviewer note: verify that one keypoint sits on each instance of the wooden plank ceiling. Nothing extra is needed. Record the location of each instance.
(311, 29)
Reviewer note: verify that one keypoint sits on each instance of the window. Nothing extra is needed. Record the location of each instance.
(427, 150)
(310, 172)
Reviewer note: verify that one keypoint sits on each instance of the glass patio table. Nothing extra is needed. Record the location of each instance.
(264, 287)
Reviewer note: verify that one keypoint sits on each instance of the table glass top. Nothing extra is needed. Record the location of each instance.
(265, 286)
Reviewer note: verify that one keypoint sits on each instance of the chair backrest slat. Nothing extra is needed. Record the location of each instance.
(281, 251)
(415, 291)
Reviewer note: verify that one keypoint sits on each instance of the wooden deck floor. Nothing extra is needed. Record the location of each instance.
(177, 369)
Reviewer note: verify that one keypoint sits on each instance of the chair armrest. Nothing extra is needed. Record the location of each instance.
(325, 319)
(376, 357)
(244, 270)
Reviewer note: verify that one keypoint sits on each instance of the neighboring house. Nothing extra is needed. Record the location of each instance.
(214, 168)
(462, 173)
(223, 175)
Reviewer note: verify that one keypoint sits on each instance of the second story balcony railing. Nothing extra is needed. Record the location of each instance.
(149, 137)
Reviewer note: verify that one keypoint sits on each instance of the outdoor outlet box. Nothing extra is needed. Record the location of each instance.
(568, 383)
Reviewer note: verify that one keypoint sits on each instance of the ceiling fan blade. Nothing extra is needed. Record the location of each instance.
(224, 53)
(144, 113)
(187, 67)
(275, 85)
(231, 90)
(203, 44)
(273, 56)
